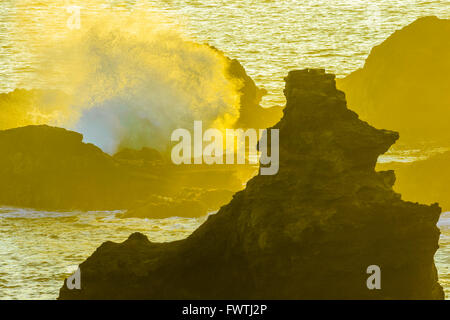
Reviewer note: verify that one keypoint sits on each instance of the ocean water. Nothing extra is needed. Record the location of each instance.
(269, 37)
(39, 249)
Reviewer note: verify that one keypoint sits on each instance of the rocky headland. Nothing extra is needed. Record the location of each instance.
(404, 84)
(309, 232)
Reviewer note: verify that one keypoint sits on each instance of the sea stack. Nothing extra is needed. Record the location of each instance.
(309, 232)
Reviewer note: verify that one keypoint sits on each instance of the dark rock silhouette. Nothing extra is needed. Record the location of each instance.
(308, 232)
(405, 84)
(426, 181)
(51, 168)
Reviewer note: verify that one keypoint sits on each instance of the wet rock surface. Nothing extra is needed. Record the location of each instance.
(309, 232)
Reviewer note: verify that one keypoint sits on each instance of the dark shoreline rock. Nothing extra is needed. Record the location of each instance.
(72, 175)
(50, 168)
(309, 232)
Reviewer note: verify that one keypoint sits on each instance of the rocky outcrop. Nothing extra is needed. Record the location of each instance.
(251, 114)
(51, 168)
(405, 84)
(311, 231)
(426, 181)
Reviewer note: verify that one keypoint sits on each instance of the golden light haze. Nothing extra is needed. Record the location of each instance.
(130, 78)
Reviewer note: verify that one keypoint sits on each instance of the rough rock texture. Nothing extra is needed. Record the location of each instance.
(310, 231)
(405, 83)
(187, 203)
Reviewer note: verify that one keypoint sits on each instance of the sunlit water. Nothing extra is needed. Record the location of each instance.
(39, 249)
(268, 37)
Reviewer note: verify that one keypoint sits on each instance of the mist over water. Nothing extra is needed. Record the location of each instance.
(268, 37)
(143, 86)
(131, 80)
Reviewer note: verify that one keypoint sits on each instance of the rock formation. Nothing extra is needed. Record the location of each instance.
(426, 181)
(405, 84)
(251, 114)
(309, 232)
(51, 168)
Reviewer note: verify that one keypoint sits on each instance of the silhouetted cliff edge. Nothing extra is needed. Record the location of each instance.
(310, 231)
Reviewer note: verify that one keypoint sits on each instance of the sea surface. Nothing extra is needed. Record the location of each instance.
(269, 37)
(39, 249)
